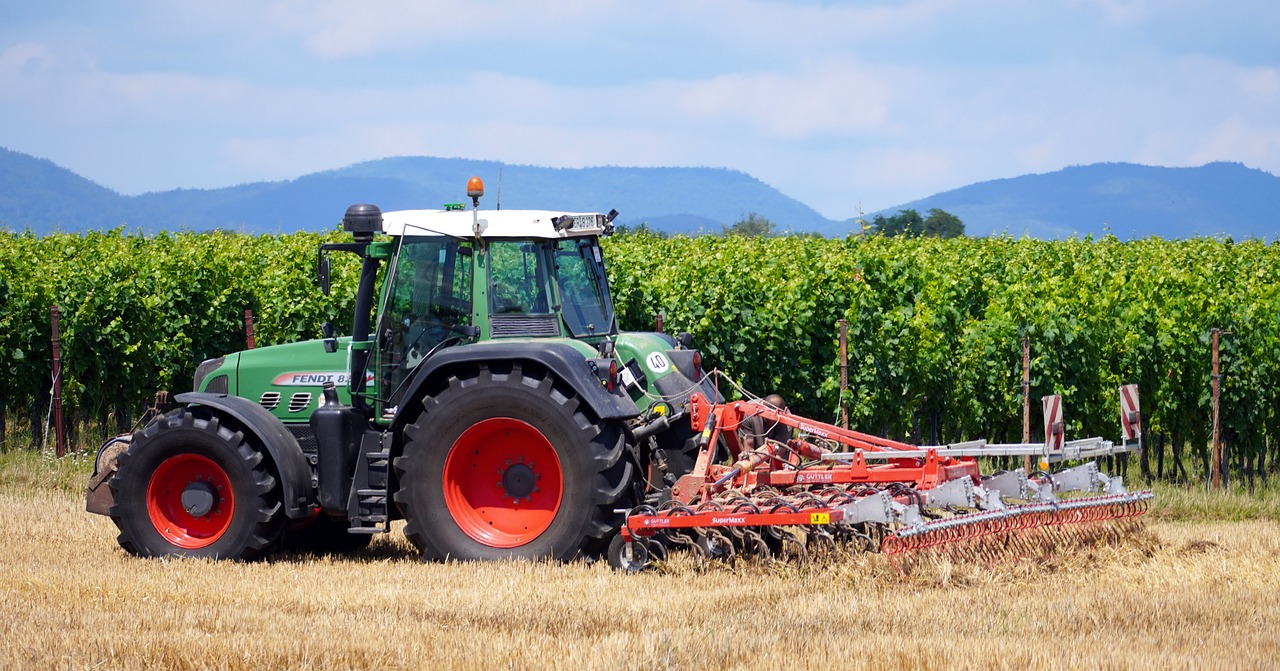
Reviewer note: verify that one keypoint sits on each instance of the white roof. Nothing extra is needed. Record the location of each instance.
(493, 223)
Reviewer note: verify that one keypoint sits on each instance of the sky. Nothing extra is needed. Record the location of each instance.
(844, 106)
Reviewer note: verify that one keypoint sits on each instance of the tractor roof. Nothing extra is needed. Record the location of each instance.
(551, 224)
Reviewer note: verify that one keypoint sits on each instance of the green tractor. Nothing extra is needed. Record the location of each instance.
(486, 397)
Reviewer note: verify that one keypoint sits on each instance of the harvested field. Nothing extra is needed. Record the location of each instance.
(1188, 594)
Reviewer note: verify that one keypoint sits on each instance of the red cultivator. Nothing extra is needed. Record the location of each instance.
(814, 488)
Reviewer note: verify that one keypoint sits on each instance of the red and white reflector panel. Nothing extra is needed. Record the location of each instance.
(1130, 414)
(1053, 434)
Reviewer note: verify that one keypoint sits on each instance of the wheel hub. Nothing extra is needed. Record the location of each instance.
(518, 481)
(199, 498)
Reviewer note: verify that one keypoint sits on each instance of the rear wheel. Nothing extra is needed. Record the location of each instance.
(188, 486)
(511, 464)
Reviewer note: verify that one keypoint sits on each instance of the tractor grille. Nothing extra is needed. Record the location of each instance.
(304, 435)
(524, 325)
(299, 401)
(217, 385)
(270, 400)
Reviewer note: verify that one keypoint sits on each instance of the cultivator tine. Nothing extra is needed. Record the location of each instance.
(1020, 531)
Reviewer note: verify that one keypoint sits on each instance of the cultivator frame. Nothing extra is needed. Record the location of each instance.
(830, 486)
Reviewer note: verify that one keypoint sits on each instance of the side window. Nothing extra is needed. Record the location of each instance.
(518, 280)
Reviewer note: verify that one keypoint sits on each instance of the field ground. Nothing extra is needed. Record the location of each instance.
(1198, 590)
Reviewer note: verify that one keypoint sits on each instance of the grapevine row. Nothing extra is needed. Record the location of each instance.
(934, 325)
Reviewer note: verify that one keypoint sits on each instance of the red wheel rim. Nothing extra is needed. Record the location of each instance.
(209, 506)
(502, 482)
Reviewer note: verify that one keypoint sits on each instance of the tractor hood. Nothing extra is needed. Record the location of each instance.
(285, 379)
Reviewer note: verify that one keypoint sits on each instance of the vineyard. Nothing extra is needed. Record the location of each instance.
(934, 326)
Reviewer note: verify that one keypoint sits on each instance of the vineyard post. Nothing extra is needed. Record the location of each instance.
(844, 370)
(59, 444)
(1215, 382)
(248, 329)
(1026, 400)
(657, 322)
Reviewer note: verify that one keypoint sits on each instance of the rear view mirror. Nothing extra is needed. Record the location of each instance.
(330, 337)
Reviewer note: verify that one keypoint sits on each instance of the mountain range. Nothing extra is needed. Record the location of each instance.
(1124, 199)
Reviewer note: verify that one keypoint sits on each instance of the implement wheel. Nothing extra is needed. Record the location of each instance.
(188, 486)
(511, 464)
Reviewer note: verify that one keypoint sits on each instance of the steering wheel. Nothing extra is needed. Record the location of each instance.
(447, 342)
(437, 329)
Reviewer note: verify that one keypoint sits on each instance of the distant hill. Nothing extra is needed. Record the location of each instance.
(1125, 199)
(36, 194)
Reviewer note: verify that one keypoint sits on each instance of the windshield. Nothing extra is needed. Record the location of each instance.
(430, 293)
(584, 290)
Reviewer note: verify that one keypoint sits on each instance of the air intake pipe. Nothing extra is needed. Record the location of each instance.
(363, 221)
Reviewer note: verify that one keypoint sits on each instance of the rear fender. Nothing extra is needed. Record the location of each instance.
(563, 361)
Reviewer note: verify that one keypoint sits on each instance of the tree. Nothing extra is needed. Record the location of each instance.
(905, 222)
(943, 224)
(939, 223)
(752, 226)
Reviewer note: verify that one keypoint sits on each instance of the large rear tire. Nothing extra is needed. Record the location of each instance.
(188, 486)
(509, 463)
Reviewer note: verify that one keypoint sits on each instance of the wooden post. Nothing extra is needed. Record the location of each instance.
(844, 371)
(657, 322)
(60, 440)
(1026, 400)
(248, 329)
(1215, 381)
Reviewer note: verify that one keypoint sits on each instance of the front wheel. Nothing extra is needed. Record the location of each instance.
(188, 486)
(511, 464)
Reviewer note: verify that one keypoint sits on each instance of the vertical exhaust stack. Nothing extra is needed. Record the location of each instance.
(362, 221)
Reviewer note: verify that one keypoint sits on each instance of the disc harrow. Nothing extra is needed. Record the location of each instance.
(827, 491)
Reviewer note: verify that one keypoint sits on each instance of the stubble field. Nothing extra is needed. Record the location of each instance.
(1193, 592)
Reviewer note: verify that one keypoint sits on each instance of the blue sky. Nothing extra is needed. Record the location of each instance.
(840, 105)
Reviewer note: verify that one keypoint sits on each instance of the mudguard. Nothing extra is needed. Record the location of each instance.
(298, 495)
(562, 360)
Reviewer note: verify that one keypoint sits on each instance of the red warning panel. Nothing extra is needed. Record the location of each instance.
(1130, 413)
(1052, 423)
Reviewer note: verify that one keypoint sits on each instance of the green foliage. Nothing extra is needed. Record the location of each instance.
(933, 324)
(752, 226)
(139, 313)
(640, 229)
(939, 224)
(934, 327)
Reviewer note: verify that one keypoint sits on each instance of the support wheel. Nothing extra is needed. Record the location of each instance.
(188, 486)
(627, 557)
(511, 464)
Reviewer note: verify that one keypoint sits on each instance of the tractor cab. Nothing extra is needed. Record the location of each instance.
(456, 277)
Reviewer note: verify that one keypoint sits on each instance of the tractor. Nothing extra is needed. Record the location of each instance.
(485, 396)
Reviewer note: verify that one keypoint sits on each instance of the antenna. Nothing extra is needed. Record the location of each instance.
(498, 203)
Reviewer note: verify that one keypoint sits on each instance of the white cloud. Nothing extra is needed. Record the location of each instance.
(1234, 139)
(830, 102)
(829, 99)
(27, 59)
